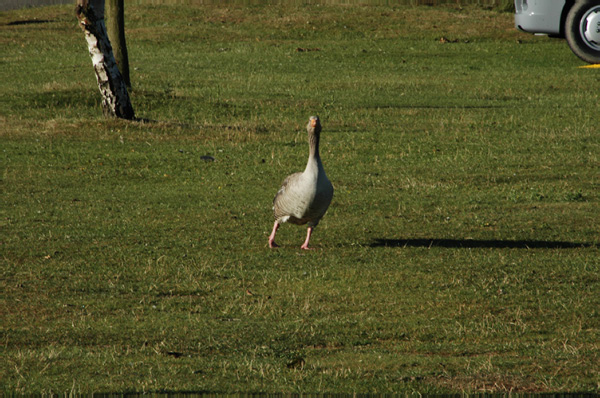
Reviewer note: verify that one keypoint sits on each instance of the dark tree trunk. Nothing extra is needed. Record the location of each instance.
(115, 99)
(115, 13)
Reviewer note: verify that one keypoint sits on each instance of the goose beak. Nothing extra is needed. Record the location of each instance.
(313, 122)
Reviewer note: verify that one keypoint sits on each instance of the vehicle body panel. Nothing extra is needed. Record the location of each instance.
(539, 16)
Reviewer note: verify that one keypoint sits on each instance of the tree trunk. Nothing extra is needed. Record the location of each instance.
(115, 12)
(115, 99)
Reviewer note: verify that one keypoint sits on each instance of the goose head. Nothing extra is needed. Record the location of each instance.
(314, 126)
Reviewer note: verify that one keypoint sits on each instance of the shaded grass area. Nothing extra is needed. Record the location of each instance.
(460, 252)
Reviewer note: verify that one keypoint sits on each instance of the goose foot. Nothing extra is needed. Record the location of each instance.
(272, 243)
(305, 244)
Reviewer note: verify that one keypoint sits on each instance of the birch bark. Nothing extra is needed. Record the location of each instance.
(115, 99)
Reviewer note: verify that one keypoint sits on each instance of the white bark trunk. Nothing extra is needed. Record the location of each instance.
(115, 99)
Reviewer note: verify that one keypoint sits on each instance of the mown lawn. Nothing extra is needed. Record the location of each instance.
(460, 253)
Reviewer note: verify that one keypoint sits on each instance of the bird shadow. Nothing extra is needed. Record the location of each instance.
(28, 22)
(480, 243)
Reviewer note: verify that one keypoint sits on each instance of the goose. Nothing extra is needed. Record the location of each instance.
(304, 197)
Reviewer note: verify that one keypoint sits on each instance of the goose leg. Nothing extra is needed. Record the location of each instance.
(272, 243)
(308, 233)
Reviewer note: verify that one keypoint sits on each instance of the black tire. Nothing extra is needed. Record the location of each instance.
(582, 30)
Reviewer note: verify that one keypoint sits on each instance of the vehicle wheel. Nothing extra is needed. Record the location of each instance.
(582, 29)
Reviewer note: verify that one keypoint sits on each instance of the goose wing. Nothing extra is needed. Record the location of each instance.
(284, 200)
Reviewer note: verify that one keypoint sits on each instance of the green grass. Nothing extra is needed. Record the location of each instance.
(460, 253)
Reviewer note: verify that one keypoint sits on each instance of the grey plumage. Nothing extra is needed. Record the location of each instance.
(304, 197)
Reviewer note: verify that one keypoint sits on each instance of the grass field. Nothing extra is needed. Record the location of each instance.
(460, 253)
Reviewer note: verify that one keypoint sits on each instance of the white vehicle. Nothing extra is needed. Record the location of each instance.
(576, 20)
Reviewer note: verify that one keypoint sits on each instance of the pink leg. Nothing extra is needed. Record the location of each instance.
(272, 243)
(308, 233)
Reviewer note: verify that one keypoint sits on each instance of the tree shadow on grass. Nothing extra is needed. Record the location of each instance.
(480, 243)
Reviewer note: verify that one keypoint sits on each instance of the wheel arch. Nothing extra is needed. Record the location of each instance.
(563, 16)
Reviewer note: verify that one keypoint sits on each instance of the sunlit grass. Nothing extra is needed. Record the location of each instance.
(460, 252)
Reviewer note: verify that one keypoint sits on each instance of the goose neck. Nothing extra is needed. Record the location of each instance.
(313, 146)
